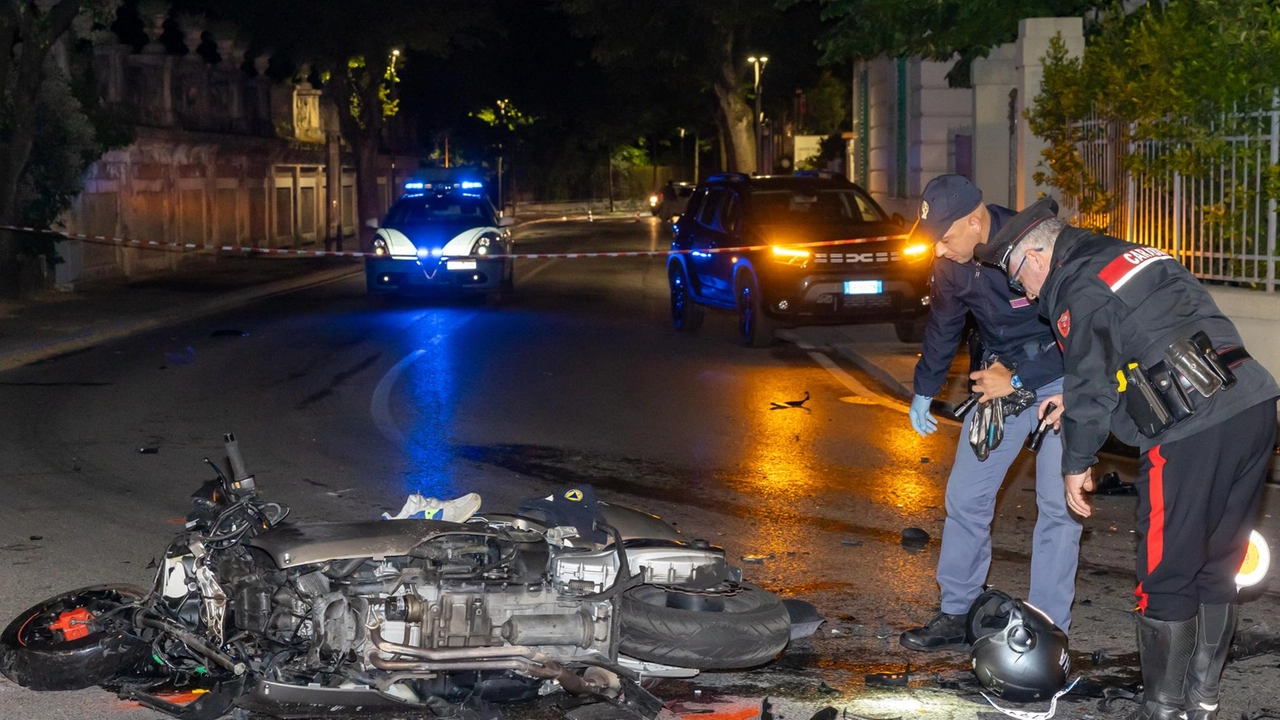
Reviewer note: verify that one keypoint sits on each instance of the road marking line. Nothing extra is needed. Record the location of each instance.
(852, 383)
(525, 276)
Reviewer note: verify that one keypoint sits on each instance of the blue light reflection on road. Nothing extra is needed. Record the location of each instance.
(430, 388)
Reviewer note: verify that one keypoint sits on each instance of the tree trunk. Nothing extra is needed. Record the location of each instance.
(368, 204)
(734, 117)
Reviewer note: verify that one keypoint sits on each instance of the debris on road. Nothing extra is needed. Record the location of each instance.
(851, 543)
(148, 450)
(914, 537)
(753, 559)
(37, 537)
(787, 405)
(1111, 484)
(805, 618)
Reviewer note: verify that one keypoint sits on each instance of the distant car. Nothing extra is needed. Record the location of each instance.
(439, 238)
(880, 277)
(672, 199)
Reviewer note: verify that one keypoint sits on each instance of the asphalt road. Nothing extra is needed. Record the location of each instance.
(344, 407)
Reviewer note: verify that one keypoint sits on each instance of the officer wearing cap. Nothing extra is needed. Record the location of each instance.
(1021, 354)
(1150, 358)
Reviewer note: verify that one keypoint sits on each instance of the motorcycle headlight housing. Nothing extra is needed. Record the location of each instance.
(380, 247)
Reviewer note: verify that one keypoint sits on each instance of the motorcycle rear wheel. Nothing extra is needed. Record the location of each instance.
(38, 657)
(748, 628)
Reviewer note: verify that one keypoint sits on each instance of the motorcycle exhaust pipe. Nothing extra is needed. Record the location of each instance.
(576, 629)
(542, 667)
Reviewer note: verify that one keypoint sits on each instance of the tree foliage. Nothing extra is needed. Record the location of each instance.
(689, 59)
(964, 30)
(38, 105)
(1183, 74)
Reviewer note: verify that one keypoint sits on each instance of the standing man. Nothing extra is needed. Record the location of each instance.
(953, 217)
(1150, 358)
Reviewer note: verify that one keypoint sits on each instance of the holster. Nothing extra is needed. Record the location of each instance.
(1160, 396)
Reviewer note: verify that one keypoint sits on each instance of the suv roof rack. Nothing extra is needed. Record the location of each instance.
(829, 174)
(729, 177)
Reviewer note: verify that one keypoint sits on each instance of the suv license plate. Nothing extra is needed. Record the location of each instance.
(863, 287)
(462, 265)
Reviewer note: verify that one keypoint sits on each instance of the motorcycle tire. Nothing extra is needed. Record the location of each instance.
(751, 628)
(39, 658)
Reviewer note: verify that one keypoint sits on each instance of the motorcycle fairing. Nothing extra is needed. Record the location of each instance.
(294, 545)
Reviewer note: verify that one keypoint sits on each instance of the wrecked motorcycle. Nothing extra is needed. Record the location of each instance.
(253, 614)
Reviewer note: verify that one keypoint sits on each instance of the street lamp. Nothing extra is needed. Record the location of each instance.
(758, 62)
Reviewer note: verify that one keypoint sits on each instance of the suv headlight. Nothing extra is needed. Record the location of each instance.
(797, 257)
(380, 247)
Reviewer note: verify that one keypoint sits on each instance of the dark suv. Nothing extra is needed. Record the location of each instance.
(877, 277)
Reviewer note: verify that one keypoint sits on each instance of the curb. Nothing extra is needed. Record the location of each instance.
(43, 350)
(875, 371)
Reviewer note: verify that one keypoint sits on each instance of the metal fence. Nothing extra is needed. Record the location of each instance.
(1211, 205)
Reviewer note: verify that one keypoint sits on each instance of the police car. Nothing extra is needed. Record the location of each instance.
(442, 236)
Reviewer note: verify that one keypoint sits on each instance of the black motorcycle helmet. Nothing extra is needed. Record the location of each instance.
(1025, 658)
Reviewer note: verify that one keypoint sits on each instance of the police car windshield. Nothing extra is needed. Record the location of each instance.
(445, 209)
(839, 206)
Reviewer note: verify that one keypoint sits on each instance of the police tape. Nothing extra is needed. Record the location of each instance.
(295, 252)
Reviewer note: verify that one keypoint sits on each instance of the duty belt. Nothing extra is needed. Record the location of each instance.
(1162, 395)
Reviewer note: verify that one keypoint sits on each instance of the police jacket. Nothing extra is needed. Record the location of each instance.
(1112, 302)
(1010, 325)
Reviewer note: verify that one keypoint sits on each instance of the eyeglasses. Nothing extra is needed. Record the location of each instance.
(1014, 283)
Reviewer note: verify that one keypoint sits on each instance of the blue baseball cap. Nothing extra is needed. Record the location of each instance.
(946, 199)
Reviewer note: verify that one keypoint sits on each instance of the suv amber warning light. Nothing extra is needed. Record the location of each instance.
(913, 250)
(790, 256)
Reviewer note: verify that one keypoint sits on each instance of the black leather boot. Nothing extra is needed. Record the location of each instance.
(1165, 649)
(1215, 624)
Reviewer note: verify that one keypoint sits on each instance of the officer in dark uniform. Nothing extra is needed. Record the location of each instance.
(954, 218)
(1151, 358)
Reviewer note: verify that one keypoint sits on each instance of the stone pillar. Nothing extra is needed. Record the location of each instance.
(995, 121)
(1034, 35)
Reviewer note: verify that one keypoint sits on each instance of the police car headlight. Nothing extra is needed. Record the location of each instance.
(380, 247)
(488, 244)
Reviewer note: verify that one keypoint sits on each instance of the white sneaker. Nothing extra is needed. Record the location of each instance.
(417, 507)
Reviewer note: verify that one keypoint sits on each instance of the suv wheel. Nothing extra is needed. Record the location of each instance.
(686, 314)
(755, 329)
(911, 331)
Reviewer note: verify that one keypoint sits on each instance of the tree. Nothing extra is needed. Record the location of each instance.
(964, 30)
(679, 50)
(360, 49)
(29, 33)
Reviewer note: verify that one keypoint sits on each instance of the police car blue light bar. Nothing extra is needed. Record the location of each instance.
(414, 185)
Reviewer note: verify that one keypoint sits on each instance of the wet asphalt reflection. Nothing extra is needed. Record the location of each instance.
(344, 407)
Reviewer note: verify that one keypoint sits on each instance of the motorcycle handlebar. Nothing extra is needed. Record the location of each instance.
(233, 454)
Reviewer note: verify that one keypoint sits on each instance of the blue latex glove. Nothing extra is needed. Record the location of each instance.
(921, 421)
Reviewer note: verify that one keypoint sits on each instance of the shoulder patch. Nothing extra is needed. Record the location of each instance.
(1064, 323)
(1122, 269)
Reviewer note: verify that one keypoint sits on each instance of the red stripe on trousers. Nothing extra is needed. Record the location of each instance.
(1155, 521)
(1155, 529)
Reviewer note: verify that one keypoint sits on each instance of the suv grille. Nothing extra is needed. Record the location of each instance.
(868, 258)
